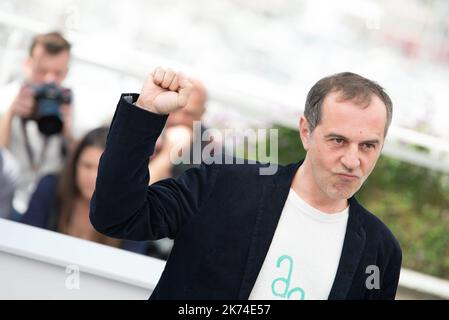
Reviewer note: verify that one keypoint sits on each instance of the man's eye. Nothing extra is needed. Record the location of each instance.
(338, 141)
(368, 146)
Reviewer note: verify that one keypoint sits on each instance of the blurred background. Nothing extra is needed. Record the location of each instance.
(257, 61)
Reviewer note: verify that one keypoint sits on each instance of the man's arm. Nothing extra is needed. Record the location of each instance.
(67, 116)
(22, 106)
(123, 205)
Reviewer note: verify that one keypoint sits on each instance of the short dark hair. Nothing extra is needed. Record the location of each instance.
(351, 86)
(53, 42)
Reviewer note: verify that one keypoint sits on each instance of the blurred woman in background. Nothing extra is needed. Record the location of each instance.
(61, 202)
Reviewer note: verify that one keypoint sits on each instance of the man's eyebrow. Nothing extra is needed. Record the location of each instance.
(373, 141)
(339, 136)
(335, 135)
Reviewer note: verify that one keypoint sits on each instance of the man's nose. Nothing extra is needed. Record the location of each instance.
(351, 159)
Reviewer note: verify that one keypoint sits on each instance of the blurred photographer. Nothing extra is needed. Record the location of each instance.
(36, 125)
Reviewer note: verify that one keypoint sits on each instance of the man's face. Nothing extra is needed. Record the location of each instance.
(42, 67)
(343, 149)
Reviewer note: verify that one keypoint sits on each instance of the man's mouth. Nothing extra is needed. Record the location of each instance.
(348, 176)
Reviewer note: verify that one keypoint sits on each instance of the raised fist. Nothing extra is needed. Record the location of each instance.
(164, 91)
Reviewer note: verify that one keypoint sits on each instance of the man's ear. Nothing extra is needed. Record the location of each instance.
(304, 132)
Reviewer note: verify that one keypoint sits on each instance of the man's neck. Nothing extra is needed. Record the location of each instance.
(305, 186)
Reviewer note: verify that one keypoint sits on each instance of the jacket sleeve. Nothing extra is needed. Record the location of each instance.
(390, 282)
(123, 205)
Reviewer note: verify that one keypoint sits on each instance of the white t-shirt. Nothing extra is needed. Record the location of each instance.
(304, 254)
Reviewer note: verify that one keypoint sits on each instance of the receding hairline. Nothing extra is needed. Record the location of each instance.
(364, 105)
(363, 101)
(350, 87)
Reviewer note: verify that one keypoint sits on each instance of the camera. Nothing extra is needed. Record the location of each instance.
(49, 97)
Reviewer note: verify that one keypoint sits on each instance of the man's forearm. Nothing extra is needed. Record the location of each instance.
(122, 179)
(123, 205)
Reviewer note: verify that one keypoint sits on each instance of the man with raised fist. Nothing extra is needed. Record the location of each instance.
(296, 234)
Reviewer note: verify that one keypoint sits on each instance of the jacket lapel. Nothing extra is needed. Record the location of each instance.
(352, 251)
(268, 213)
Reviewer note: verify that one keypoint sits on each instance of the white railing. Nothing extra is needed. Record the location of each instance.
(41, 264)
(424, 285)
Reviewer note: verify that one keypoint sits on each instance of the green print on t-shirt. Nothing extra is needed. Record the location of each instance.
(286, 281)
